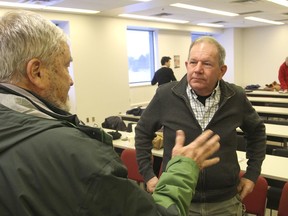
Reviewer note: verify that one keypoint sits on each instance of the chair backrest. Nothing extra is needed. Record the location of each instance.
(275, 186)
(283, 204)
(128, 156)
(255, 202)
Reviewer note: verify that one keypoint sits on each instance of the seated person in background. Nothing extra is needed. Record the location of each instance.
(283, 76)
(165, 74)
(49, 164)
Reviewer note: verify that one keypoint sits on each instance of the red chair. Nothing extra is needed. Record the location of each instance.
(283, 204)
(128, 157)
(255, 202)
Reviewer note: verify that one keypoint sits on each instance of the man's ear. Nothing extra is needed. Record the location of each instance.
(223, 69)
(35, 74)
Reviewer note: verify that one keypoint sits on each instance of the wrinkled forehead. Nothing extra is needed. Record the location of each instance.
(204, 49)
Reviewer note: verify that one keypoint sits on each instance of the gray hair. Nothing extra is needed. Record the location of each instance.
(209, 39)
(25, 35)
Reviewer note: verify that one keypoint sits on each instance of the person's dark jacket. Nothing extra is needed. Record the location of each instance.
(170, 108)
(50, 165)
(162, 76)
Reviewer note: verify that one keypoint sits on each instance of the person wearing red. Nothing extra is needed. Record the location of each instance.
(283, 76)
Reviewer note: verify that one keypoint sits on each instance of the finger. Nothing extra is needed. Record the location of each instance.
(180, 139)
(212, 140)
(209, 148)
(150, 189)
(204, 137)
(239, 188)
(210, 162)
(243, 194)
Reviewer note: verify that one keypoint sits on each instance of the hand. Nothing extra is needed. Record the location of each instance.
(151, 184)
(200, 149)
(245, 187)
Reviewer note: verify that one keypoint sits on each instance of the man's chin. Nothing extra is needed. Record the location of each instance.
(67, 106)
(198, 88)
(197, 85)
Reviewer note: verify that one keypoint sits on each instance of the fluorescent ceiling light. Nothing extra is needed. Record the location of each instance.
(73, 10)
(21, 5)
(264, 20)
(134, 16)
(43, 7)
(280, 2)
(210, 25)
(207, 10)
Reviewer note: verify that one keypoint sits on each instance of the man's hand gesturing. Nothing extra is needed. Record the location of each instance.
(198, 150)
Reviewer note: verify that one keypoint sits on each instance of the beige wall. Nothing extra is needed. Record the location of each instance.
(100, 62)
(265, 50)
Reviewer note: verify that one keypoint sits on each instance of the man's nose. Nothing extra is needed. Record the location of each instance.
(198, 67)
(71, 81)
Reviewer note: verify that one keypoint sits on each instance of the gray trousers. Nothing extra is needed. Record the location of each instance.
(231, 207)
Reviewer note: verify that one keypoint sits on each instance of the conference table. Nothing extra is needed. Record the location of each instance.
(275, 132)
(268, 111)
(269, 101)
(127, 141)
(274, 167)
(263, 93)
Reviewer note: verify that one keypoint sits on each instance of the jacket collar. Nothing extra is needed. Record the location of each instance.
(21, 100)
(180, 89)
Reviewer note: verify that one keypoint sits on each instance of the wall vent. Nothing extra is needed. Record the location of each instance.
(162, 14)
